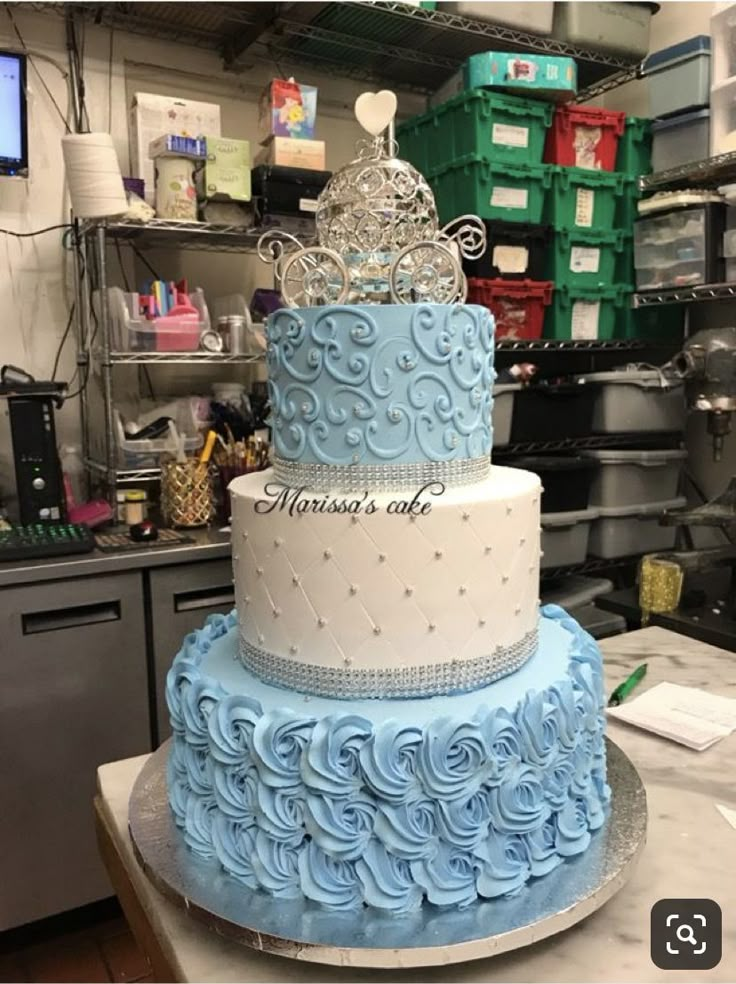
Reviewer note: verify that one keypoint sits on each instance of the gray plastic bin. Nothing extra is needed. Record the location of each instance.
(679, 77)
(637, 400)
(599, 623)
(631, 530)
(575, 591)
(680, 139)
(619, 27)
(565, 537)
(628, 478)
(502, 412)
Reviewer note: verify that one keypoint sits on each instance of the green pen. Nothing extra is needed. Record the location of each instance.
(623, 690)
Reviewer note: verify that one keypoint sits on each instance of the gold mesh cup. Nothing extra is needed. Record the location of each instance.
(187, 497)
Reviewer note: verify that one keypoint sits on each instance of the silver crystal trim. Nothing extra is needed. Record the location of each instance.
(430, 680)
(380, 478)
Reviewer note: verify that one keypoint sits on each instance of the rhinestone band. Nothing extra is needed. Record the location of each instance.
(379, 478)
(430, 680)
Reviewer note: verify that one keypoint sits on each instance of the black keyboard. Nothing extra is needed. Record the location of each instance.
(45, 540)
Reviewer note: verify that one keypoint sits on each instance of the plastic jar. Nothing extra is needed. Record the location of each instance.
(135, 506)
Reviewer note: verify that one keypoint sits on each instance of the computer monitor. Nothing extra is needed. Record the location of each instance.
(14, 127)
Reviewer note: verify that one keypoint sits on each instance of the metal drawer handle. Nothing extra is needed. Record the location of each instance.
(71, 618)
(222, 596)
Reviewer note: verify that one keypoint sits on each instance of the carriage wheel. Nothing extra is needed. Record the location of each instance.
(314, 276)
(426, 271)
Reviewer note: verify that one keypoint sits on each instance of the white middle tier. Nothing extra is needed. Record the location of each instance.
(383, 590)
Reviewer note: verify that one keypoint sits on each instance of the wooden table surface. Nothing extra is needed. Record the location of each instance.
(690, 853)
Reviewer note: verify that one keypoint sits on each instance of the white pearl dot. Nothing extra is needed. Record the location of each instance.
(321, 622)
(488, 550)
(347, 660)
(504, 578)
(293, 650)
(327, 554)
(259, 571)
(276, 612)
(462, 589)
(522, 541)
(376, 630)
(278, 541)
(466, 516)
(481, 622)
(509, 510)
(353, 589)
(431, 627)
(408, 590)
(438, 554)
(295, 579)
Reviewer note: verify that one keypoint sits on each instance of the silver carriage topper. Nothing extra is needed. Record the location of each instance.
(377, 229)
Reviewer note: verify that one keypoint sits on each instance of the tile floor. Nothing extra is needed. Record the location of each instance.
(97, 947)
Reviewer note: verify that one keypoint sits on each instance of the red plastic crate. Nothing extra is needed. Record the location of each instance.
(584, 137)
(517, 305)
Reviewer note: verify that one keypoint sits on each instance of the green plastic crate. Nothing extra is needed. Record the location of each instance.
(658, 323)
(584, 313)
(584, 199)
(492, 191)
(627, 211)
(494, 125)
(634, 154)
(625, 260)
(581, 258)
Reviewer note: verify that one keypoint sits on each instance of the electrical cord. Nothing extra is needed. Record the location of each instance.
(36, 232)
(62, 343)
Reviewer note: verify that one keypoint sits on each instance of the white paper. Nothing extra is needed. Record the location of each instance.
(307, 204)
(585, 259)
(686, 715)
(727, 813)
(585, 315)
(509, 197)
(510, 259)
(510, 136)
(584, 206)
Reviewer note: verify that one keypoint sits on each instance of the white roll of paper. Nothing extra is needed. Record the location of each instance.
(93, 175)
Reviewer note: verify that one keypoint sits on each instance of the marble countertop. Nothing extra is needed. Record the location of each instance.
(687, 854)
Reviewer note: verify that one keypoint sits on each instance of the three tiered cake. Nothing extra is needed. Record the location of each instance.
(403, 726)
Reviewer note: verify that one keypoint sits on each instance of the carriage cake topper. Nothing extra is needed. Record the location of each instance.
(379, 238)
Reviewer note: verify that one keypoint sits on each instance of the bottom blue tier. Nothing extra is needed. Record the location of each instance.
(389, 803)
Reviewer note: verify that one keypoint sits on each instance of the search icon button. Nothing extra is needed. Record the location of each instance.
(685, 934)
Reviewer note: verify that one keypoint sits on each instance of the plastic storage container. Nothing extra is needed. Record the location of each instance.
(566, 479)
(131, 333)
(656, 323)
(598, 623)
(627, 205)
(511, 193)
(551, 411)
(628, 478)
(679, 77)
(146, 453)
(534, 17)
(619, 27)
(729, 255)
(503, 411)
(517, 305)
(565, 537)
(679, 248)
(634, 156)
(584, 199)
(540, 76)
(582, 136)
(723, 42)
(494, 125)
(576, 591)
(633, 530)
(680, 140)
(585, 313)
(287, 190)
(636, 400)
(723, 117)
(584, 258)
(515, 251)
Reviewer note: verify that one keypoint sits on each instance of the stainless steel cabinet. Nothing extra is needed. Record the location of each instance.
(73, 694)
(181, 599)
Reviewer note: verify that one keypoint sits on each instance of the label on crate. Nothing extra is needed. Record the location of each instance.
(510, 259)
(510, 136)
(307, 204)
(509, 197)
(584, 321)
(584, 205)
(585, 259)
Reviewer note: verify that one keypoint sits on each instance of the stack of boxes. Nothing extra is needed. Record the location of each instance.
(290, 166)
(557, 188)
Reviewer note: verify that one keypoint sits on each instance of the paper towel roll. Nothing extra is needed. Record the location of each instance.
(93, 175)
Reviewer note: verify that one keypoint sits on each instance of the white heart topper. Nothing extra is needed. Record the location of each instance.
(375, 110)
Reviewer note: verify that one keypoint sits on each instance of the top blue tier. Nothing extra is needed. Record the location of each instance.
(385, 396)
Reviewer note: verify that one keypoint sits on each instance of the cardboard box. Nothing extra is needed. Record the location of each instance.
(288, 152)
(288, 109)
(171, 145)
(225, 174)
(153, 115)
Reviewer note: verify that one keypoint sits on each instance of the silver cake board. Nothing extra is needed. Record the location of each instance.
(432, 936)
